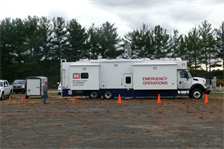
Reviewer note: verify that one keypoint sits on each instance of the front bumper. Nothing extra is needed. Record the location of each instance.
(207, 91)
(19, 90)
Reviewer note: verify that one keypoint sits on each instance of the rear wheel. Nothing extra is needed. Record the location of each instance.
(108, 95)
(93, 95)
(196, 93)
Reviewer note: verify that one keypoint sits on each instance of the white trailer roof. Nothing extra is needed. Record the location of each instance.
(136, 62)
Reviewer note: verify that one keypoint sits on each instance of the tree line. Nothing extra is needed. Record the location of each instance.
(34, 46)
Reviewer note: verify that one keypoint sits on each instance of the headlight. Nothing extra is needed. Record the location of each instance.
(23, 86)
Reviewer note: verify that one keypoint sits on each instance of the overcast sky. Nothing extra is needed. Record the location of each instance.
(126, 14)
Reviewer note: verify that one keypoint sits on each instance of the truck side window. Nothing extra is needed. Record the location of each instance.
(84, 75)
(182, 74)
(5, 84)
(128, 80)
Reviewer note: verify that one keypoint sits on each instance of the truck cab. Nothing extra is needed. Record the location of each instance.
(191, 86)
(5, 89)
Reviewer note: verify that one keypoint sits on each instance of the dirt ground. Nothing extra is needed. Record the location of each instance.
(135, 123)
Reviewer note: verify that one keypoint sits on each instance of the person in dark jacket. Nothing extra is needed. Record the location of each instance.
(45, 89)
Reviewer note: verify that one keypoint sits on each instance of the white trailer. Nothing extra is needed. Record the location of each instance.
(34, 86)
(130, 78)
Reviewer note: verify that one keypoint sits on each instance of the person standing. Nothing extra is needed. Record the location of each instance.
(45, 90)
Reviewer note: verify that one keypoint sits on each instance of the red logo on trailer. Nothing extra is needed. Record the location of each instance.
(76, 75)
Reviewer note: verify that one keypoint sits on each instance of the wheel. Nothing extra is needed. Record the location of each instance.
(108, 95)
(93, 95)
(196, 93)
(27, 97)
(2, 96)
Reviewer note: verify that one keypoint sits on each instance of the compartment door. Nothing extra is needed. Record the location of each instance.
(128, 80)
(128, 84)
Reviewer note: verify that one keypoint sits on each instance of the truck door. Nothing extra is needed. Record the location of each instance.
(7, 88)
(128, 84)
(184, 80)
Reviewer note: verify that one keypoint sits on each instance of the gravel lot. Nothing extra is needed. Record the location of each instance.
(136, 123)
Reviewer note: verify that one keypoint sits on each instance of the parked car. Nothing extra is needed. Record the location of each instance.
(59, 88)
(19, 86)
(5, 89)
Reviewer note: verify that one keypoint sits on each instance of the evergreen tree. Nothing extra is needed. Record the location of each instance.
(17, 42)
(33, 51)
(109, 41)
(46, 46)
(194, 45)
(188, 50)
(220, 42)
(140, 42)
(60, 44)
(59, 38)
(207, 44)
(77, 38)
(7, 59)
(160, 42)
(177, 45)
(93, 42)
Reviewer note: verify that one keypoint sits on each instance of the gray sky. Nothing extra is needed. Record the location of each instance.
(127, 15)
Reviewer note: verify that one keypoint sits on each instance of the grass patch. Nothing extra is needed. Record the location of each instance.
(216, 94)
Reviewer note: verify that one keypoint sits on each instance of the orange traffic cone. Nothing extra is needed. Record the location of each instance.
(119, 99)
(206, 98)
(73, 100)
(22, 100)
(9, 97)
(158, 101)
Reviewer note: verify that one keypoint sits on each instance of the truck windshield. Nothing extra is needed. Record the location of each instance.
(1, 84)
(189, 74)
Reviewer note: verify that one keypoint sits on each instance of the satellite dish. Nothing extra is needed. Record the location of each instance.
(127, 50)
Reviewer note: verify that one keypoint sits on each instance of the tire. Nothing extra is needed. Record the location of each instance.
(93, 95)
(27, 97)
(2, 98)
(108, 95)
(196, 94)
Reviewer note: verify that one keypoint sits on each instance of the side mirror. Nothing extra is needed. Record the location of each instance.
(186, 76)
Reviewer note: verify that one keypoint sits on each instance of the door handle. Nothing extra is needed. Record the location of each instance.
(180, 82)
